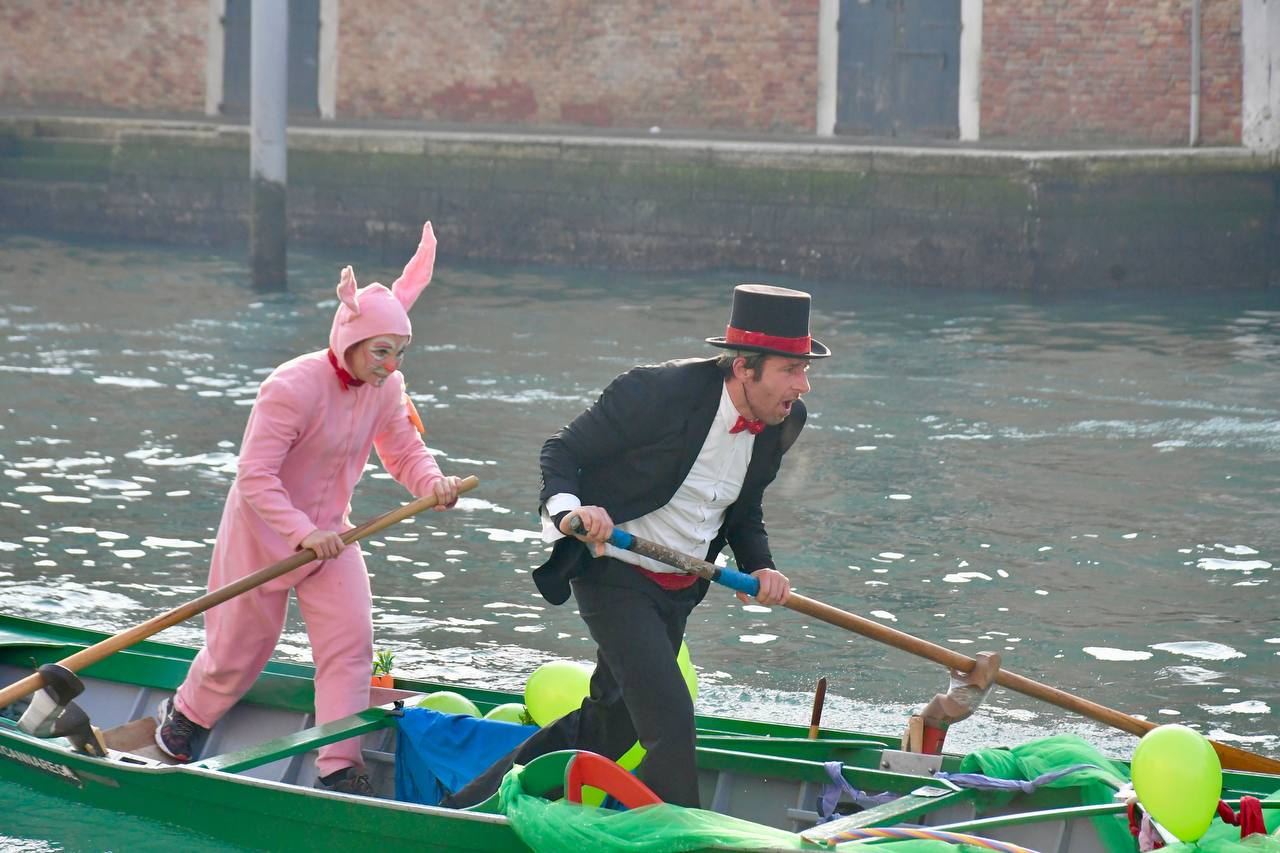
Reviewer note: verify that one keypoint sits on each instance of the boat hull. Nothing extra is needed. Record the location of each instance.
(247, 812)
(255, 789)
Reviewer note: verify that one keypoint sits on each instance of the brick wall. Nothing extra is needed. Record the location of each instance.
(1106, 71)
(131, 55)
(1088, 72)
(1221, 66)
(714, 65)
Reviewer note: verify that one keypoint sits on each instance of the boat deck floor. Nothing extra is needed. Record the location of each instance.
(137, 737)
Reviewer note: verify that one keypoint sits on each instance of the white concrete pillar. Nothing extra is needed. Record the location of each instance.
(970, 70)
(828, 65)
(215, 46)
(1260, 89)
(327, 84)
(268, 128)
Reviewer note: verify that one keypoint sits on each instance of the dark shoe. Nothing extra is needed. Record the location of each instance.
(347, 781)
(177, 736)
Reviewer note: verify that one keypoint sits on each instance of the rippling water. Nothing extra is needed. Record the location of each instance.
(1088, 485)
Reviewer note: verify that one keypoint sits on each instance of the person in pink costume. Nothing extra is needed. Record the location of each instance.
(304, 449)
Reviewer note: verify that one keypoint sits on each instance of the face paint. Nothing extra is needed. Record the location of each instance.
(374, 359)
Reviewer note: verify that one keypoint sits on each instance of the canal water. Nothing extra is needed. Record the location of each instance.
(1087, 484)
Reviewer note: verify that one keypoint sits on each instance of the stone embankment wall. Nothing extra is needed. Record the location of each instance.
(1047, 221)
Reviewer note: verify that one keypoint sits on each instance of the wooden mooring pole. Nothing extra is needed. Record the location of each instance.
(268, 127)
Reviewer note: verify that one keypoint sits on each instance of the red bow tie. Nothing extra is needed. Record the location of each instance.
(347, 380)
(753, 427)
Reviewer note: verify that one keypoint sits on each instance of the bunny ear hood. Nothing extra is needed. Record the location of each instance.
(378, 310)
(417, 273)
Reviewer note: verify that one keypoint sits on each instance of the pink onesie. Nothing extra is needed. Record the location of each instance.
(304, 450)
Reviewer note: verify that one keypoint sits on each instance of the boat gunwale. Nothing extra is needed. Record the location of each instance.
(979, 824)
(34, 633)
(281, 677)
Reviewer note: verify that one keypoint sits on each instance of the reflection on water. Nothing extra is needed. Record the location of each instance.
(36, 822)
(1088, 486)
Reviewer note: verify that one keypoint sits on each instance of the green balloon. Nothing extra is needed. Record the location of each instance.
(687, 670)
(1178, 779)
(511, 712)
(556, 688)
(448, 702)
(631, 759)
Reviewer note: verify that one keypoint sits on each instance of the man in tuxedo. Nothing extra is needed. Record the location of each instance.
(678, 453)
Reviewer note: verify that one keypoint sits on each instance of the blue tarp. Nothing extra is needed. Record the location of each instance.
(437, 754)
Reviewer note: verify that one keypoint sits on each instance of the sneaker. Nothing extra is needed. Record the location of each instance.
(346, 781)
(177, 736)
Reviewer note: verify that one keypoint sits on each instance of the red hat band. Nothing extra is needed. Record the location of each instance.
(799, 346)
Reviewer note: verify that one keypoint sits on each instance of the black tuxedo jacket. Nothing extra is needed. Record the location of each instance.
(632, 450)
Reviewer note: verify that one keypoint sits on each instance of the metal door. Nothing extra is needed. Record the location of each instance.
(899, 68)
(304, 52)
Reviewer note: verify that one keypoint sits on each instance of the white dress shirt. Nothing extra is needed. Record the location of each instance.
(693, 516)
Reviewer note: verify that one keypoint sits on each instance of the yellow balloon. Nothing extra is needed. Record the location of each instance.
(558, 687)
(510, 712)
(1178, 779)
(448, 702)
(555, 689)
(631, 759)
(687, 670)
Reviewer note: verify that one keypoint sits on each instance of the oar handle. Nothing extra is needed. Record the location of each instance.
(690, 565)
(731, 578)
(1231, 757)
(138, 633)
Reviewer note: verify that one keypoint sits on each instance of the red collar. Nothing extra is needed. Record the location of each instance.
(347, 380)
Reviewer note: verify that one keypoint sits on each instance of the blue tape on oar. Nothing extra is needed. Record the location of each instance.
(621, 539)
(740, 581)
(726, 577)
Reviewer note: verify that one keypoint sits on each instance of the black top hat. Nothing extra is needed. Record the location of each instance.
(770, 319)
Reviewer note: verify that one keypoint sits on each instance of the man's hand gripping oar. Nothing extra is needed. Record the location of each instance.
(1232, 758)
(595, 528)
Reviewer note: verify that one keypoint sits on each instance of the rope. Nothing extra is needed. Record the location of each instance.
(829, 796)
(990, 783)
(931, 834)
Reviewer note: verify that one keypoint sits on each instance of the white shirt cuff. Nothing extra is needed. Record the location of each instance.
(555, 505)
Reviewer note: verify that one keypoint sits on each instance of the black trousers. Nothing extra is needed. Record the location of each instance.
(637, 691)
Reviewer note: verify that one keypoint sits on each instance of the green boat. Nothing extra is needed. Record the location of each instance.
(254, 787)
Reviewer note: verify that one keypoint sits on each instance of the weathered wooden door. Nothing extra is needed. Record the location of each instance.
(899, 68)
(304, 52)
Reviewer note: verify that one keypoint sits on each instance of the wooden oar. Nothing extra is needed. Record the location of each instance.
(1231, 757)
(138, 633)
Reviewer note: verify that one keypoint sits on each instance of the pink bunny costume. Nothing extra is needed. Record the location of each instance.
(304, 449)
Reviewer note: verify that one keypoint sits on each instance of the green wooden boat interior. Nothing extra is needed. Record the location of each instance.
(767, 773)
